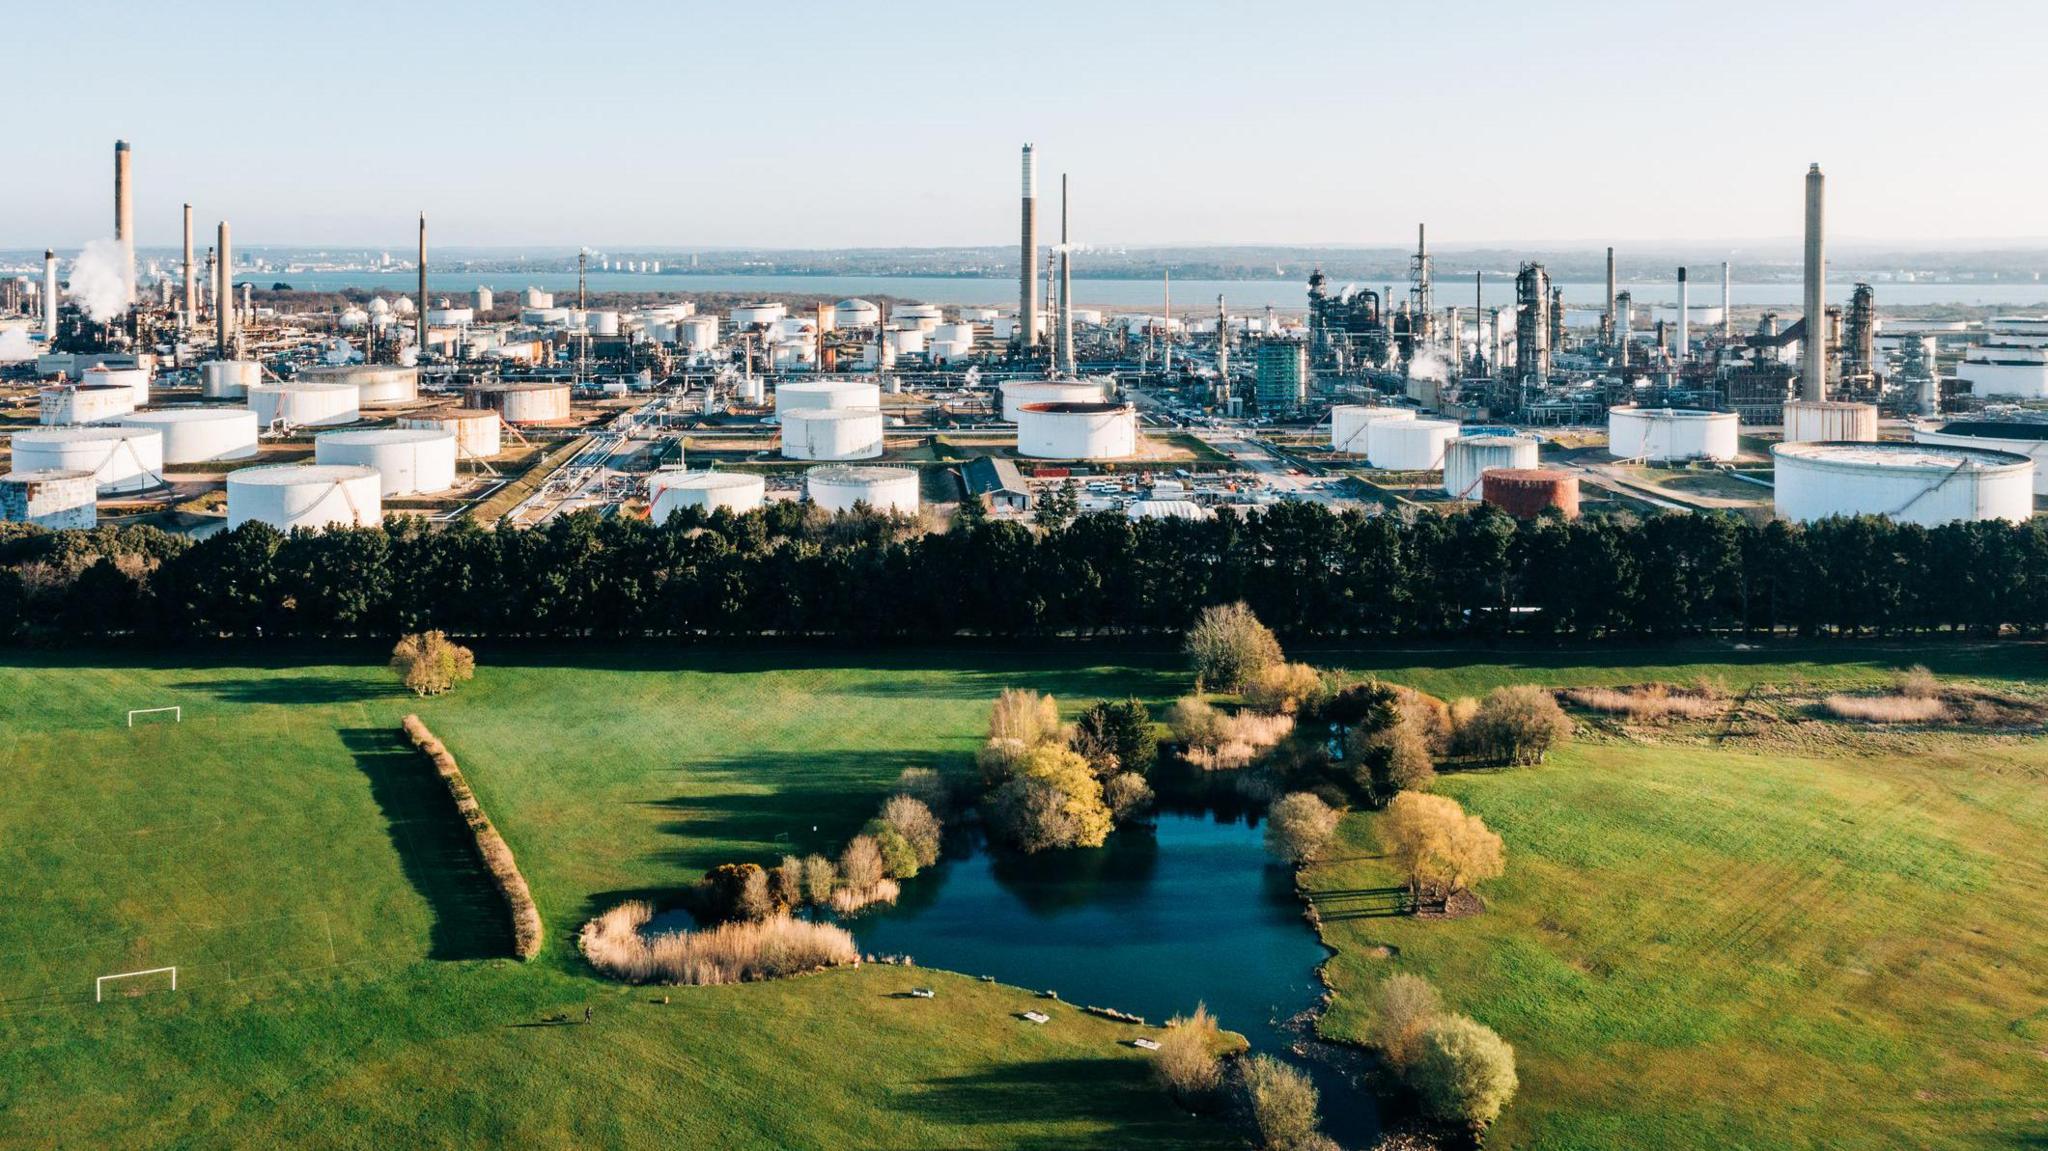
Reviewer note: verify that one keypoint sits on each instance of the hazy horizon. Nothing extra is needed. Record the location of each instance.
(524, 125)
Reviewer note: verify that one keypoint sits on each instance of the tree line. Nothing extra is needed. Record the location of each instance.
(792, 570)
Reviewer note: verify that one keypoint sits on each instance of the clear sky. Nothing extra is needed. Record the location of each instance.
(798, 124)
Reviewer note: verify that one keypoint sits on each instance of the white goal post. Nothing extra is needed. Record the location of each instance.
(99, 985)
(177, 713)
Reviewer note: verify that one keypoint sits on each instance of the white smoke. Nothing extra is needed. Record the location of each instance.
(410, 357)
(102, 279)
(340, 353)
(1429, 364)
(15, 346)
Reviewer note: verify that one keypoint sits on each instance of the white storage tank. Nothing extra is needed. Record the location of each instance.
(522, 402)
(1097, 431)
(1670, 435)
(136, 380)
(668, 492)
(817, 395)
(903, 341)
(953, 333)
(750, 315)
(451, 317)
(478, 432)
(1924, 484)
(483, 299)
(832, 434)
(921, 318)
(407, 460)
(307, 405)
(535, 298)
(1833, 420)
(229, 379)
(377, 385)
(839, 488)
(1408, 445)
(855, 314)
(1468, 458)
(698, 333)
(2021, 439)
(83, 403)
(1017, 393)
(120, 459)
(601, 323)
(200, 435)
(1348, 424)
(55, 498)
(288, 496)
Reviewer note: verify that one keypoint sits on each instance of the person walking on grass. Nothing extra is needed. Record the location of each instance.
(586, 1013)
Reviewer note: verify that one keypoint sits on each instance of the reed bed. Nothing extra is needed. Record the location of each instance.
(1888, 708)
(770, 948)
(1648, 704)
(850, 901)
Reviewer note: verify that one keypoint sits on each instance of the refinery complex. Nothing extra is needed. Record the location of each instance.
(189, 395)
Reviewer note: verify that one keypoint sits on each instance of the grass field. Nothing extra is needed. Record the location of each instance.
(1695, 946)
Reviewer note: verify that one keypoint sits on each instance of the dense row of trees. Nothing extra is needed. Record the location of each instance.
(792, 570)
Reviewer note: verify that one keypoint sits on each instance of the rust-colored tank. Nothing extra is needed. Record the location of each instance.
(1528, 492)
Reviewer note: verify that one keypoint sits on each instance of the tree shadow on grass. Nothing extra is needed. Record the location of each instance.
(434, 845)
(811, 802)
(290, 689)
(1028, 1097)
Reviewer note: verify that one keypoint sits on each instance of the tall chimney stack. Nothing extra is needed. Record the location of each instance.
(1813, 372)
(124, 214)
(1611, 326)
(423, 286)
(1027, 262)
(1727, 316)
(224, 296)
(191, 279)
(49, 296)
(1066, 316)
(1681, 338)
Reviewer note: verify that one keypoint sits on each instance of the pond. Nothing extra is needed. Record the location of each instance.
(1190, 909)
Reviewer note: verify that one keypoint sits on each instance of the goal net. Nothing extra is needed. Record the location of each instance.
(175, 714)
(133, 983)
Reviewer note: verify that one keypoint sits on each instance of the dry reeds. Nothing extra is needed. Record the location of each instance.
(490, 846)
(769, 948)
(848, 900)
(1219, 741)
(1650, 703)
(1887, 708)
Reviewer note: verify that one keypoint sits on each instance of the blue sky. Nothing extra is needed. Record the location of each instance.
(884, 124)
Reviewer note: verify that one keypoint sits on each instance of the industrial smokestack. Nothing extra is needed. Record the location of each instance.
(224, 296)
(124, 215)
(1027, 263)
(1222, 345)
(1166, 327)
(191, 280)
(1727, 316)
(49, 296)
(1066, 318)
(1609, 318)
(1813, 374)
(1625, 320)
(1681, 339)
(423, 286)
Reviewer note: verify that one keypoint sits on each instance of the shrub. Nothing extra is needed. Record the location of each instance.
(1428, 715)
(1193, 721)
(1127, 794)
(860, 864)
(821, 876)
(850, 900)
(1917, 682)
(1053, 802)
(1887, 708)
(1403, 1007)
(1649, 704)
(1516, 725)
(899, 859)
(1025, 717)
(914, 822)
(1299, 827)
(429, 663)
(1116, 737)
(1186, 1063)
(1285, 688)
(1282, 1102)
(1390, 760)
(787, 882)
(1367, 703)
(734, 891)
(1214, 740)
(1229, 647)
(490, 846)
(927, 787)
(1439, 848)
(730, 953)
(1463, 1071)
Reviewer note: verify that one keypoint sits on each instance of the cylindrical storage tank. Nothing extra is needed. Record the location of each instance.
(1468, 458)
(199, 435)
(855, 314)
(136, 380)
(376, 384)
(949, 351)
(1529, 492)
(668, 492)
(1670, 435)
(1924, 484)
(699, 333)
(84, 403)
(832, 434)
(1835, 420)
(748, 315)
(522, 402)
(1348, 424)
(1096, 431)
(1017, 393)
(1408, 445)
(288, 496)
(2021, 439)
(838, 489)
(817, 395)
(451, 317)
(903, 341)
(483, 299)
(229, 379)
(407, 460)
(54, 498)
(120, 459)
(601, 323)
(477, 431)
(916, 317)
(952, 333)
(304, 405)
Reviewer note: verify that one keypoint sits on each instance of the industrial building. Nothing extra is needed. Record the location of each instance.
(1282, 380)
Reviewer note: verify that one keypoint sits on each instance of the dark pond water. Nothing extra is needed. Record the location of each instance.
(1188, 910)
